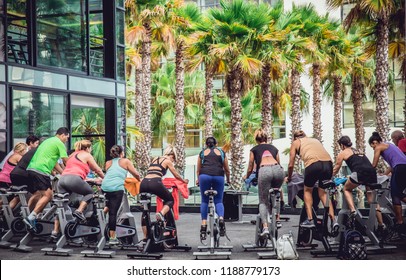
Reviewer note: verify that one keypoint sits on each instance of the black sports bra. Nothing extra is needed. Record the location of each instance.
(156, 163)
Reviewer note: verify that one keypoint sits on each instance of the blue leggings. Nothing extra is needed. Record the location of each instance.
(217, 183)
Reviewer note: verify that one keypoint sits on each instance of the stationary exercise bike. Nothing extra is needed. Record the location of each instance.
(262, 241)
(12, 222)
(366, 225)
(71, 228)
(320, 231)
(213, 231)
(161, 235)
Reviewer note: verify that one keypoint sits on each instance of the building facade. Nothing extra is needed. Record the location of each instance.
(62, 63)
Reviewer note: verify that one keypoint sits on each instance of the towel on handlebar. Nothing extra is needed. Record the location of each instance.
(175, 185)
(132, 185)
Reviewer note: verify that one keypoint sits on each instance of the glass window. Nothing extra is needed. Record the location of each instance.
(2, 73)
(92, 86)
(36, 78)
(396, 103)
(88, 122)
(120, 64)
(120, 3)
(37, 113)
(3, 122)
(120, 26)
(96, 39)
(121, 122)
(2, 37)
(17, 32)
(95, 5)
(61, 33)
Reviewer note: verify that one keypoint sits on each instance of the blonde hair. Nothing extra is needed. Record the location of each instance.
(82, 145)
(19, 147)
(299, 134)
(260, 135)
(169, 151)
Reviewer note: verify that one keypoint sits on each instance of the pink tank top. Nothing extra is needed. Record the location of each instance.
(75, 166)
(5, 173)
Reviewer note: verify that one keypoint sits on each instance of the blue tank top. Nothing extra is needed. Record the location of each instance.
(114, 179)
(393, 156)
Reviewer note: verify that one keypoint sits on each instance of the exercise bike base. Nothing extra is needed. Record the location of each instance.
(263, 255)
(21, 248)
(144, 255)
(98, 254)
(57, 252)
(256, 247)
(5, 244)
(200, 248)
(212, 254)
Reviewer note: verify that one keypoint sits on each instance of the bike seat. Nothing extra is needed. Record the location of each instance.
(18, 188)
(274, 191)
(327, 184)
(61, 195)
(374, 186)
(210, 192)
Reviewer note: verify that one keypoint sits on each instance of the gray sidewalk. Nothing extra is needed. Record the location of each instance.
(188, 229)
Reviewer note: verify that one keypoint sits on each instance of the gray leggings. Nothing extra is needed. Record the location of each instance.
(268, 176)
(75, 184)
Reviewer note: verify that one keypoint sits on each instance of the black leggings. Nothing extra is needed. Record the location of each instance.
(155, 186)
(113, 203)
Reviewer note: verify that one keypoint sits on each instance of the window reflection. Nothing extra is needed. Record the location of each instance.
(3, 122)
(88, 122)
(37, 113)
(96, 38)
(61, 30)
(17, 50)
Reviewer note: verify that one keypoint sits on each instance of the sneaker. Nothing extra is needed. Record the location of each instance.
(278, 224)
(308, 224)
(79, 216)
(265, 231)
(31, 224)
(160, 217)
(114, 241)
(203, 232)
(222, 226)
(55, 236)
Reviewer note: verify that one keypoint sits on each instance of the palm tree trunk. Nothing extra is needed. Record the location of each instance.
(296, 116)
(146, 99)
(381, 86)
(357, 98)
(317, 131)
(266, 101)
(208, 117)
(404, 114)
(180, 108)
(138, 114)
(381, 73)
(338, 108)
(234, 90)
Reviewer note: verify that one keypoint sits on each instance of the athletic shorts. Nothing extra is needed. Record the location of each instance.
(38, 181)
(355, 178)
(317, 172)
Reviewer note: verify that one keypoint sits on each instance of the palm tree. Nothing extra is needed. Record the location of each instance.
(182, 17)
(361, 75)
(339, 50)
(273, 65)
(147, 16)
(236, 27)
(164, 99)
(377, 14)
(198, 53)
